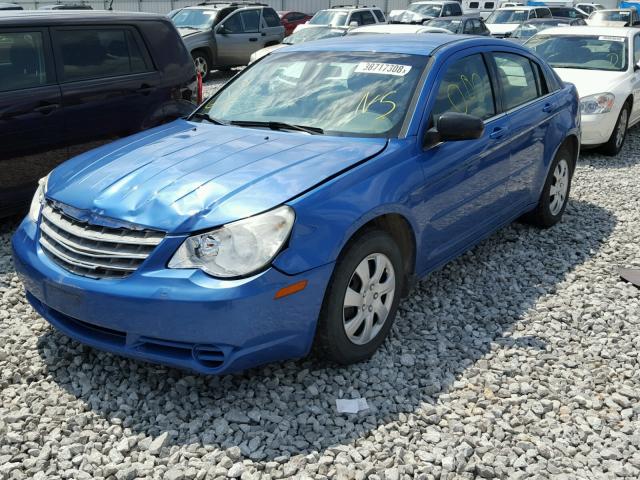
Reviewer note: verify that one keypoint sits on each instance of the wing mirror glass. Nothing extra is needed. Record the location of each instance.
(453, 127)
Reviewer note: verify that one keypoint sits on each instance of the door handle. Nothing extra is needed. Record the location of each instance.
(263, 34)
(253, 39)
(548, 107)
(46, 108)
(145, 89)
(498, 132)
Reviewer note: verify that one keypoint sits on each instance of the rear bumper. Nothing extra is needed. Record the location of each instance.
(181, 318)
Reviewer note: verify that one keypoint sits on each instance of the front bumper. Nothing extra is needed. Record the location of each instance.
(181, 318)
(597, 129)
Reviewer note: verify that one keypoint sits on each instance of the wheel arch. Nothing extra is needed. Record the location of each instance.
(401, 230)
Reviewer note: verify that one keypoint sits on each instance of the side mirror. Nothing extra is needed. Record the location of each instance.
(353, 24)
(636, 67)
(453, 127)
(222, 29)
(425, 22)
(636, 23)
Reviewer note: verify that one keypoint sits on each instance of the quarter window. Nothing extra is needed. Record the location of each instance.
(517, 79)
(22, 61)
(99, 53)
(465, 88)
(379, 16)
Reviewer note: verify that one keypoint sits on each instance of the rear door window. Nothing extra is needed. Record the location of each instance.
(517, 79)
(22, 60)
(272, 19)
(250, 20)
(367, 18)
(100, 53)
(379, 16)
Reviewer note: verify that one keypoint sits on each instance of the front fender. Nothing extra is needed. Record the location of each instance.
(329, 215)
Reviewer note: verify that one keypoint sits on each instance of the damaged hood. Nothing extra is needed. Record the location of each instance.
(186, 176)
(185, 32)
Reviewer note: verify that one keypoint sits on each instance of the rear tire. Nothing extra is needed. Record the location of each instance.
(202, 62)
(619, 134)
(361, 300)
(555, 194)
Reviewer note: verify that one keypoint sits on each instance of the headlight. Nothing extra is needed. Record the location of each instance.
(599, 103)
(239, 248)
(38, 199)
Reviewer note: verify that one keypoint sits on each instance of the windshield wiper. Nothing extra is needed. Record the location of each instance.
(278, 126)
(205, 116)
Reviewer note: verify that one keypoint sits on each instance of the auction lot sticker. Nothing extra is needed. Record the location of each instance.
(383, 68)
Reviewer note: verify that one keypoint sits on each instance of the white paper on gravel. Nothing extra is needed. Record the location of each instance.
(351, 405)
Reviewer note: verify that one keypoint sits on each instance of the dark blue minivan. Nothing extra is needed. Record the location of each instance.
(70, 81)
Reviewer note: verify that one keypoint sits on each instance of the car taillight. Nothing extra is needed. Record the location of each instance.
(199, 88)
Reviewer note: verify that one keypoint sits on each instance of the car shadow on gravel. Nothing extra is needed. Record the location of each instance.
(444, 329)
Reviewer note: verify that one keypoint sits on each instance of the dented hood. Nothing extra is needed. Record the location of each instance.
(186, 176)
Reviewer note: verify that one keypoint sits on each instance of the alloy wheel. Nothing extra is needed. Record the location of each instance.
(201, 66)
(368, 298)
(559, 187)
(621, 131)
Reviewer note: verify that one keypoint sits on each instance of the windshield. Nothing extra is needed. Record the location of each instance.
(453, 26)
(327, 17)
(342, 93)
(582, 52)
(611, 16)
(191, 18)
(507, 16)
(425, 9)
(313, 33)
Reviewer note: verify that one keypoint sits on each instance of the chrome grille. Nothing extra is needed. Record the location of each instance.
(93, 250)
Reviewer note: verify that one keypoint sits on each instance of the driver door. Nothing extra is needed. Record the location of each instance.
(635, 80)
(238, 36)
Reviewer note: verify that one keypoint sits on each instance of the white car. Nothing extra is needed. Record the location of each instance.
(502, 22)
(420, 12)
(398, 28)
(301, 36)
(588, 8)
(345, 16)
(614, 17)
(604, 66)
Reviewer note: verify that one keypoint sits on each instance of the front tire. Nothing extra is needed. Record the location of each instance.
(555, 194)
(362, 299)
(619, 134)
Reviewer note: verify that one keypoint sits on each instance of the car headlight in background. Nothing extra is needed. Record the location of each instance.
(599, 103)
(38, 199)
(239, 248)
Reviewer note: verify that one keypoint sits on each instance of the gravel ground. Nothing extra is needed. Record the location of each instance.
(519, 360)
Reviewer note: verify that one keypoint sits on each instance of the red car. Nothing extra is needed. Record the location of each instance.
(290, 20)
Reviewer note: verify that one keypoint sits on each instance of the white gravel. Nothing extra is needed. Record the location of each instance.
(519, 360)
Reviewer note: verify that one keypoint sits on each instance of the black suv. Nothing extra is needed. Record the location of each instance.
(70, 81)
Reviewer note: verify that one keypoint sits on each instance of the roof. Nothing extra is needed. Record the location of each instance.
(550, 20)
(50, 17)
(434, 2)
(413, 44)
(395, 28)
(464, 16)
(587, 30)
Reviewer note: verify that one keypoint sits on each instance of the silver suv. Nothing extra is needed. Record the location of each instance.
(224, 35)
(345, 16)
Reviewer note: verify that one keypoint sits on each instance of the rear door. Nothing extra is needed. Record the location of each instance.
(31, 117)
(108, 81)
(531, 109)
(635, 80)
(271, 27)
(467, 179)
(239, 38)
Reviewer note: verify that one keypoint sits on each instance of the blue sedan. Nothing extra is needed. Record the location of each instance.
(295, 208)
